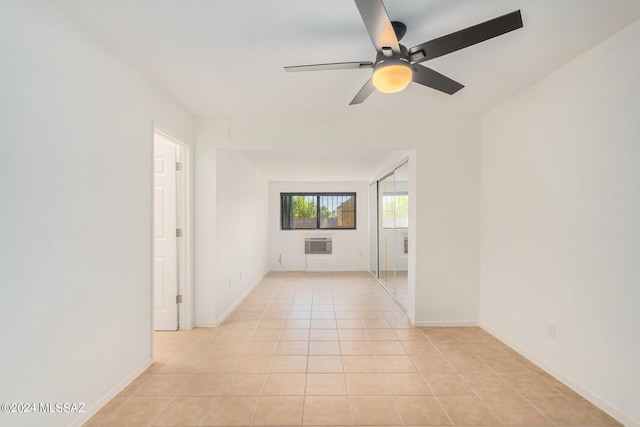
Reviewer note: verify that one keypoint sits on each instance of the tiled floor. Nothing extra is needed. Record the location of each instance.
(334, 349)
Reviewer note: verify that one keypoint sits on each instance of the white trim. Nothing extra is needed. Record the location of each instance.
(601, 404)
(233, 306)
(90, 412)
(151, 241)
(391, 167)
(449, 323)
(320, 270)
(206, 325)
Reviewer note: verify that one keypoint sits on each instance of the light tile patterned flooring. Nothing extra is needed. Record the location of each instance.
(326, 349)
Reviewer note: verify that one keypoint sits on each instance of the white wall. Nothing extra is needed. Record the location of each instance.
(205, 218)
(444, 165)
(560, 223)
(243, 228)
(76, 214)
(448, 226)
(231, 241)
(350, 247)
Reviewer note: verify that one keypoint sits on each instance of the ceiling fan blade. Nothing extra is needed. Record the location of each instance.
(378, 24)
(364, 93)
(465, 38)
(427, 77)
(330, 66)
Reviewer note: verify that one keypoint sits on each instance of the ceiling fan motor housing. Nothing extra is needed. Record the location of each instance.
(392, 71)
(387, 58)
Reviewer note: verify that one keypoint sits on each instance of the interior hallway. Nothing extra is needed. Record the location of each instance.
(335, 349)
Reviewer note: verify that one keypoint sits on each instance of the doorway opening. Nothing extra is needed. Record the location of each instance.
(171, 279)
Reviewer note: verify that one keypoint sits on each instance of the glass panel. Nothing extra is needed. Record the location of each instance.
(392, 232)
(373, 228)
(318, 210)
(304, 212)
(401, 231)
(337, 211)
(401, 205)
(386, 235)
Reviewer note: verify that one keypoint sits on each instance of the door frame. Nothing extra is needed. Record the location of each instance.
(185, 311)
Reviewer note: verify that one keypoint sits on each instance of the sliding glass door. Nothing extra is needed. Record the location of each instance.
(389, 214)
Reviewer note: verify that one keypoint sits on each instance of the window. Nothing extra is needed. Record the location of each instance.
(327, 211)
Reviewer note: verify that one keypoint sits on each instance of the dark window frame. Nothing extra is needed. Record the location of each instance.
(286, 220)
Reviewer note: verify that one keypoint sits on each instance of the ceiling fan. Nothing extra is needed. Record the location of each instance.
(396, 66)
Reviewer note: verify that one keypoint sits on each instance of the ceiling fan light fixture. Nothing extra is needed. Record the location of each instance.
(393, 77)
(396, 66)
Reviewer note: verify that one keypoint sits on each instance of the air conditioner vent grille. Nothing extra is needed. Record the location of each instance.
(317, 245)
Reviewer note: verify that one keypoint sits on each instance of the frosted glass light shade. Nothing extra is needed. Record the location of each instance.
(392, 78)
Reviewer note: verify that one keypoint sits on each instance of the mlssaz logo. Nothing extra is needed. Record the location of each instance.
(65, 408)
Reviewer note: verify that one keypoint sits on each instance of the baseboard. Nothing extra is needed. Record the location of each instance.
(279, 269)
(94, 408)
(206, 325)
(450, 323)
(237, 302)
(605, 406)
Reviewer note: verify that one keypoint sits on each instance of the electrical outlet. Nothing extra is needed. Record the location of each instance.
(230, 281)
(240, 276)
(280, 258)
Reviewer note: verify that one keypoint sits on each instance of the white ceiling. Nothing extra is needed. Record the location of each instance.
(226, 57)
(311, 166)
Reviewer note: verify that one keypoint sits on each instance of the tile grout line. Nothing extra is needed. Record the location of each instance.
(437, 398)
(244, 326)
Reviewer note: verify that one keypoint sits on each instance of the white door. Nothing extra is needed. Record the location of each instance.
(165, 272)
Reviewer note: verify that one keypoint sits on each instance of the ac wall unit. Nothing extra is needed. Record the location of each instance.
(317, 245)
